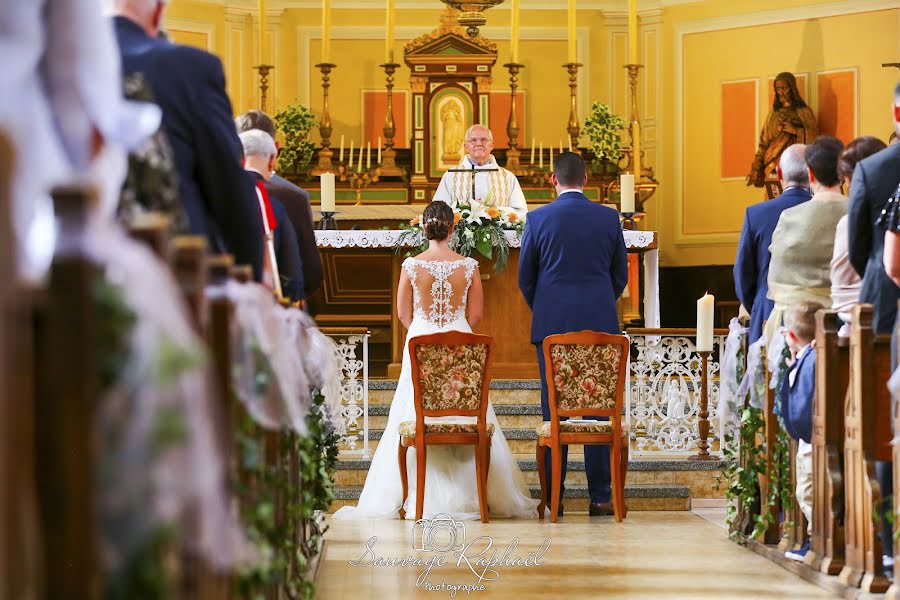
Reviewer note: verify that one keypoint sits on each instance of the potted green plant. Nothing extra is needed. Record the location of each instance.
(603, 129)
(295, 122)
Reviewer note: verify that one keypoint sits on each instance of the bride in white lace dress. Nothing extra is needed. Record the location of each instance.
(434, 292)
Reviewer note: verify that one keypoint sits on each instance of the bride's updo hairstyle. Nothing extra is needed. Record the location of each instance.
(437, 220)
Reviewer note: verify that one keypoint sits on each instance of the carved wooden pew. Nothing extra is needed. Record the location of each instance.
(832, 376)
(772, 534)
(866, 439)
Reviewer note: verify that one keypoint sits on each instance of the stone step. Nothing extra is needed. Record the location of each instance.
(700, 477)
(638, 497)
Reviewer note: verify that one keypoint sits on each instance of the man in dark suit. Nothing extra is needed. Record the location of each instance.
(875, 180)
(296, 202)
(751, 266)
(572, 269)
(189, 86)
(259, 157)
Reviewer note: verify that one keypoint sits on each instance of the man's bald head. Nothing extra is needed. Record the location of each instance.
(146, 13)
(479, 144)
(792, 167)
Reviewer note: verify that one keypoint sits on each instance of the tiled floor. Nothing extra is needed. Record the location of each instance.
(669, 555)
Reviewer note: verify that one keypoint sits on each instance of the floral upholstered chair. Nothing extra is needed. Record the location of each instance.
(450, 379)
(585, 378)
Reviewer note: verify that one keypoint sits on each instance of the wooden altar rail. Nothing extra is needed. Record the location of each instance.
(67, 334)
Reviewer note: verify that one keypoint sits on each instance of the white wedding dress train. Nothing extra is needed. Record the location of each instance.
(450, 483)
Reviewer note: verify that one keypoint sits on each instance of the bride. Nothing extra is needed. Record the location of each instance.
(434, 292)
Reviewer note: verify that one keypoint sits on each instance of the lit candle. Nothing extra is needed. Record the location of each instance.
(379, 150)
(359, 162)
(705, 307)
(626, 193)
(532, 151)
(541, 156)
(573, 54)
(551, 157)
(368, 155)
(326, 184)
(560, 147)
(262, 32)
(350, 158)
(341, 156)
(389, 38)
(636, 134)
(514, 32)
(326, 30)
(570, 144)
(632, 32)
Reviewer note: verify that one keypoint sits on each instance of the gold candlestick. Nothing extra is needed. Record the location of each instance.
(574, 127)
(358, 180)
(388, 159)
(263, 83)
(325, 153)
(634, 159)
(512, 125)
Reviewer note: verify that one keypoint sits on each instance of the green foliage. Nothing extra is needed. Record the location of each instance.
(295, 122)
(603, 130)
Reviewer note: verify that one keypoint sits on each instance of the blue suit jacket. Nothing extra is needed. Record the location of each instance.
(797, 400)
(189, 86)
(874, 181)
(572, 267)
(751, 266)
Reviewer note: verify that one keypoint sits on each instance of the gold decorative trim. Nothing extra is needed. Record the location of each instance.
(449, 26)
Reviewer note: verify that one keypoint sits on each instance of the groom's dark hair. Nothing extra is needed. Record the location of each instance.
(569, 169)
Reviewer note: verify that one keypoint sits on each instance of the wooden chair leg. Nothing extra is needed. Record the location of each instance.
(420, 479)
(404, 479)
(480, 473)
(615, 464)
(542, 476)
(621, 491)
(555, 473)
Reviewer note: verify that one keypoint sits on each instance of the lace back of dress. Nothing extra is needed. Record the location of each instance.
(440, 289)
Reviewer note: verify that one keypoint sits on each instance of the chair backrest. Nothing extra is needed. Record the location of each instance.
(585, 373)
(450, 373)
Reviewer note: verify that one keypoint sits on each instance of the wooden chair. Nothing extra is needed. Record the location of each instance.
(585, 377)
(468, 373)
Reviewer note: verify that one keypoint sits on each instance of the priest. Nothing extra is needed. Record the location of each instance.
(493, 185)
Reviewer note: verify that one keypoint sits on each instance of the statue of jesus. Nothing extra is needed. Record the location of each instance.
(495, 186)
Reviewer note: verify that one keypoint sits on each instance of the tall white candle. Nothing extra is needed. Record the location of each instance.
(326, 30)
(359, 163)
(551, 157)
(560, 147)
(326, 184)
(350, 158)
(341, 157)
(626, 187)
(705, 307)
(368, 155)
(379, 150)
(541, 156)
(532, 151)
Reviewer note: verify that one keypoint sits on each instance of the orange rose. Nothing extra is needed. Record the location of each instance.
(493, 212)
(456, 218)
(415, 221)
(513, 217)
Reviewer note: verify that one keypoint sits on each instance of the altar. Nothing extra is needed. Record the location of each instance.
(362, 269)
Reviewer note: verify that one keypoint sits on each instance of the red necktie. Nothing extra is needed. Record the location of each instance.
(270, 215)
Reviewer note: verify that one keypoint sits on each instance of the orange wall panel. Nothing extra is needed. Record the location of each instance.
(499, 111)
(738, 127)
(374, 110)
(837, 104)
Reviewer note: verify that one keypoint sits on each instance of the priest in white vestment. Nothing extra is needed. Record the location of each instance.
(494, 187)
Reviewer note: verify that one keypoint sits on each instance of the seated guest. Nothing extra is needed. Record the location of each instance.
(797, 394)
(845, 282)
(259, 158)
(189, 86)
(803, 240)
(296, 202)
(751, 267)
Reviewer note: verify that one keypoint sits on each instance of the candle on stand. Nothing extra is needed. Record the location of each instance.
(341, 157)
(326, 183)
(389, 38)
(514, 33)
(632, 32)
(532, 151)
(570, 145)
(350, 158)
(262, 32)
(326, 30)
(379, 150)
(560, 147)
(551, 157)
(368, 155)
(541, 156)
(626, 193)
(573, 52)
(359, 162)
(705, 307)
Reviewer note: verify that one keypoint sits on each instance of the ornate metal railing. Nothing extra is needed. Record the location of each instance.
(353, 360)
(662, 398)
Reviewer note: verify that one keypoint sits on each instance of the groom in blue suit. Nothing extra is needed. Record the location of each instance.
(572, 269)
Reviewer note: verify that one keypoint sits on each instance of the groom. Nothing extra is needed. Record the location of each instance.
(572, 268)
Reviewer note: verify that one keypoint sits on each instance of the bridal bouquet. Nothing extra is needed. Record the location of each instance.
(479, 228)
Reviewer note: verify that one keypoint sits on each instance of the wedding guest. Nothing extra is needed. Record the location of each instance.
(295, 200)
(751, 266)
(797, 393)
(803, 240)
(845, 281)
(189, 85)
(259, 158)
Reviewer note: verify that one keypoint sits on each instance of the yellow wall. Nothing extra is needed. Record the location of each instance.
(688, 50)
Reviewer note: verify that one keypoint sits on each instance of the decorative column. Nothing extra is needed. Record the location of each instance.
(325, 153)
(574, 127)
(512, 125)
(388, 163)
